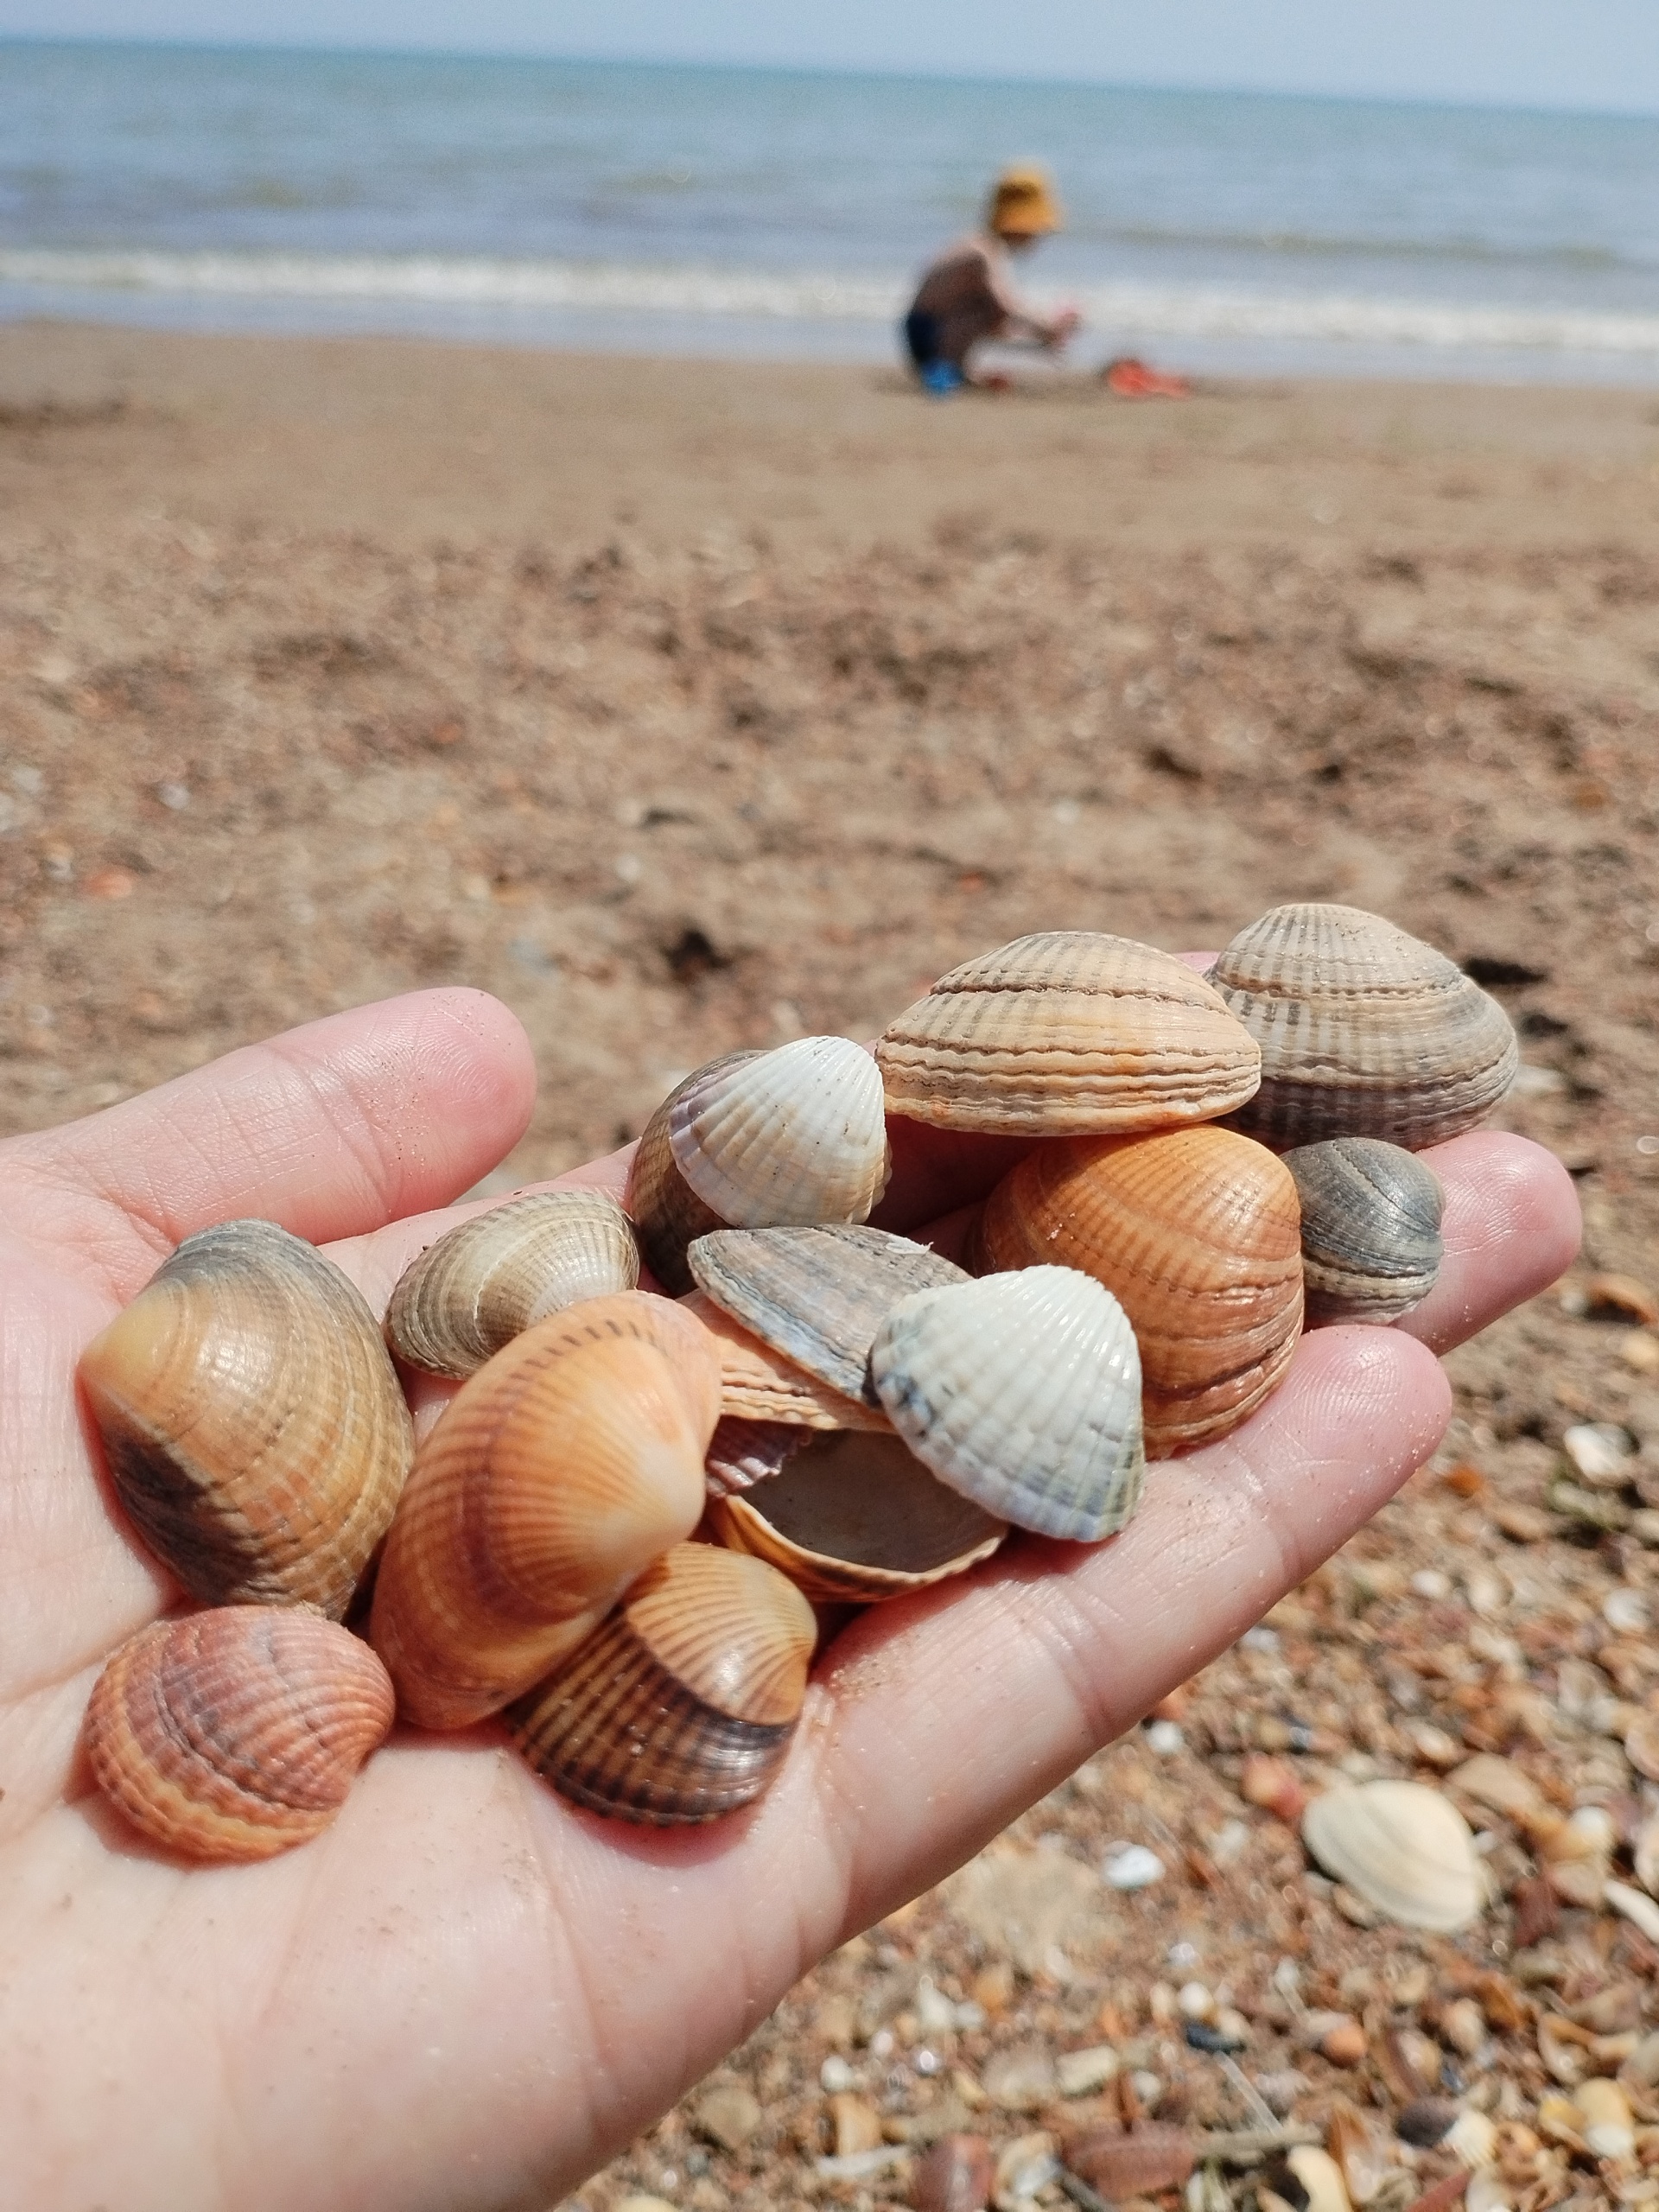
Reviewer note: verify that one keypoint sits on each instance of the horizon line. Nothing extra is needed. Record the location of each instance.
(1469, 104)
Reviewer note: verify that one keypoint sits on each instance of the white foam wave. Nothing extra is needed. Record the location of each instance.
(811, 297)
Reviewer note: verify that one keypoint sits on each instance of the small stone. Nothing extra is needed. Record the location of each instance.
(1021, 2080)
(1080, 2073)
(1523, 1525)
(1429, 1582)
(111, 883)
(1137, 2161)
(934, 2013)
(857, 2126)
(1131, 1866)
(1164, 1738)
(955, 2176)
(1432, 1745)
(1641, 1351)
(1023, 2167)
(1595, 1509)
(836, 2076)
(1194, 2001)
(1281, 2088)
(1601, 1451)
(1426, 2121)
(1344, 2045)
(727, 2115)
(645, 2204)
(1626, 1612)
(1536, 1912)
(1463, 2024)
(1274, 1785)
(1630, 1904)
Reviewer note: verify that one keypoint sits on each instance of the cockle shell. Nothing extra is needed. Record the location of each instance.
(1364, 1031)
(681, 1707)
(757, 1141)
(1403, 1848)
(1023, 1392)
(817, 1295)
(235, 1733)
(760, 1385)
(253, 1419)
(1371, 1228)
(1197, 1233)
(567, 1464)
(854, 1518)
(743, 1452)
(1067, 1031)
(494, 1276)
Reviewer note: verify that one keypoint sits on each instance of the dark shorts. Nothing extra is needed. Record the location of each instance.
(922, 337)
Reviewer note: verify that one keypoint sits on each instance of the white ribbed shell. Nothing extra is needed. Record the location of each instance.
(1405, 1849)
(1023, 1392)
(787, 1138)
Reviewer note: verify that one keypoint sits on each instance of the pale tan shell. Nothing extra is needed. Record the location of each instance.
(1403, 1848)
(236, 1733)
(788, 1138)
(253, 1419)
(817, 1295)
(1023, 1392)
(567, 1464)
(855, 1518)
(1067, 1032)
(681, 1707)
(1370, 1229)
(1364, 1031)
(758, 1384)
(1197, 1233)
(478, 1287)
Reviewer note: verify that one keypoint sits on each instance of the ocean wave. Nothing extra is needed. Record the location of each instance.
(689, 290)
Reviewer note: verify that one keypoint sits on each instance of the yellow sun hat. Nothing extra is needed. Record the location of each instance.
(1023, 204)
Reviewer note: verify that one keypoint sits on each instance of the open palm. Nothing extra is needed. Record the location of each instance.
(467, 1993)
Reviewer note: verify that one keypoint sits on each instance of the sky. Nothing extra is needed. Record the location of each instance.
(1574, 53)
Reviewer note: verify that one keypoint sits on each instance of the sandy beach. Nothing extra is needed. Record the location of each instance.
(687, 706)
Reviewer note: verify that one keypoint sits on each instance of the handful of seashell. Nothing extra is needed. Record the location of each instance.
(616, 1533)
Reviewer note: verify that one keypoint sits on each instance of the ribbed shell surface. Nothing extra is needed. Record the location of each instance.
(1067, 1031)
(743, 1452)
(1022, 1391)
(758, 1384)
(854, 1519)
(1371, 1228)
(1364, 1030)
(253, 1420)
(493, 1277)
(1405, 1848)
(817, 1295)
(792, 1136)
(557, 1474)
(235, 1733)
(666, 1212)
(1197, 1233)
(681, 1707)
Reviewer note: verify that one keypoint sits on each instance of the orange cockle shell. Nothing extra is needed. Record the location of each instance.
(1198, 1234)
(567, 1463)
(681, 1707)
(236, 1733)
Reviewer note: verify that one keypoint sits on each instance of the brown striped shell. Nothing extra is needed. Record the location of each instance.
(491, 1277)
(235, 1733)
(681, 1707)
(760, 1140)
(1364, 1031)
(855, 1518)
(565, 1465)
(253, 1419)
(817, 1295)
(1370, 1229)
(1197, 1233)
(1067, 1032)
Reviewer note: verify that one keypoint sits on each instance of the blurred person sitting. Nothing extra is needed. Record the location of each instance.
(968, 294)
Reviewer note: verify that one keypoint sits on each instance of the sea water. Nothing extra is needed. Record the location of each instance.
(734, 213)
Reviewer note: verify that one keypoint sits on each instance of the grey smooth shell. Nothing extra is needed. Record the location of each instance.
(1364, 1031)
(493, 1277)
(1023, 1392)
(1370, 1229)
(665, 1210)
(817, 1295)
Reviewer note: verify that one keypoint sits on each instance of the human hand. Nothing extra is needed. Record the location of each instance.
(1063, 327)
(467, 1994)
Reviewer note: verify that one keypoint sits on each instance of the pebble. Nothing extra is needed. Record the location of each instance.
(1426, 2121)
(727, 2115)
(1021, 2080)
(1523, 1525)
(1627, 1611)
(1601, 1451)
(1140, 2163)
(1080, 2073)
(645, 2204)
(956, 2175)
(1164, 1738)
(837, 2075)
(1344, 2043)
(1131, 1866)
(1641, 1911)
(1463, 2024)
(857, 2126)
(1023, 2167)
(1429, 1582)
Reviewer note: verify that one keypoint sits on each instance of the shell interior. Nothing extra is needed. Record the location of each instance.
(793, 1137)
(1022, 1391)
(817, 1295)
